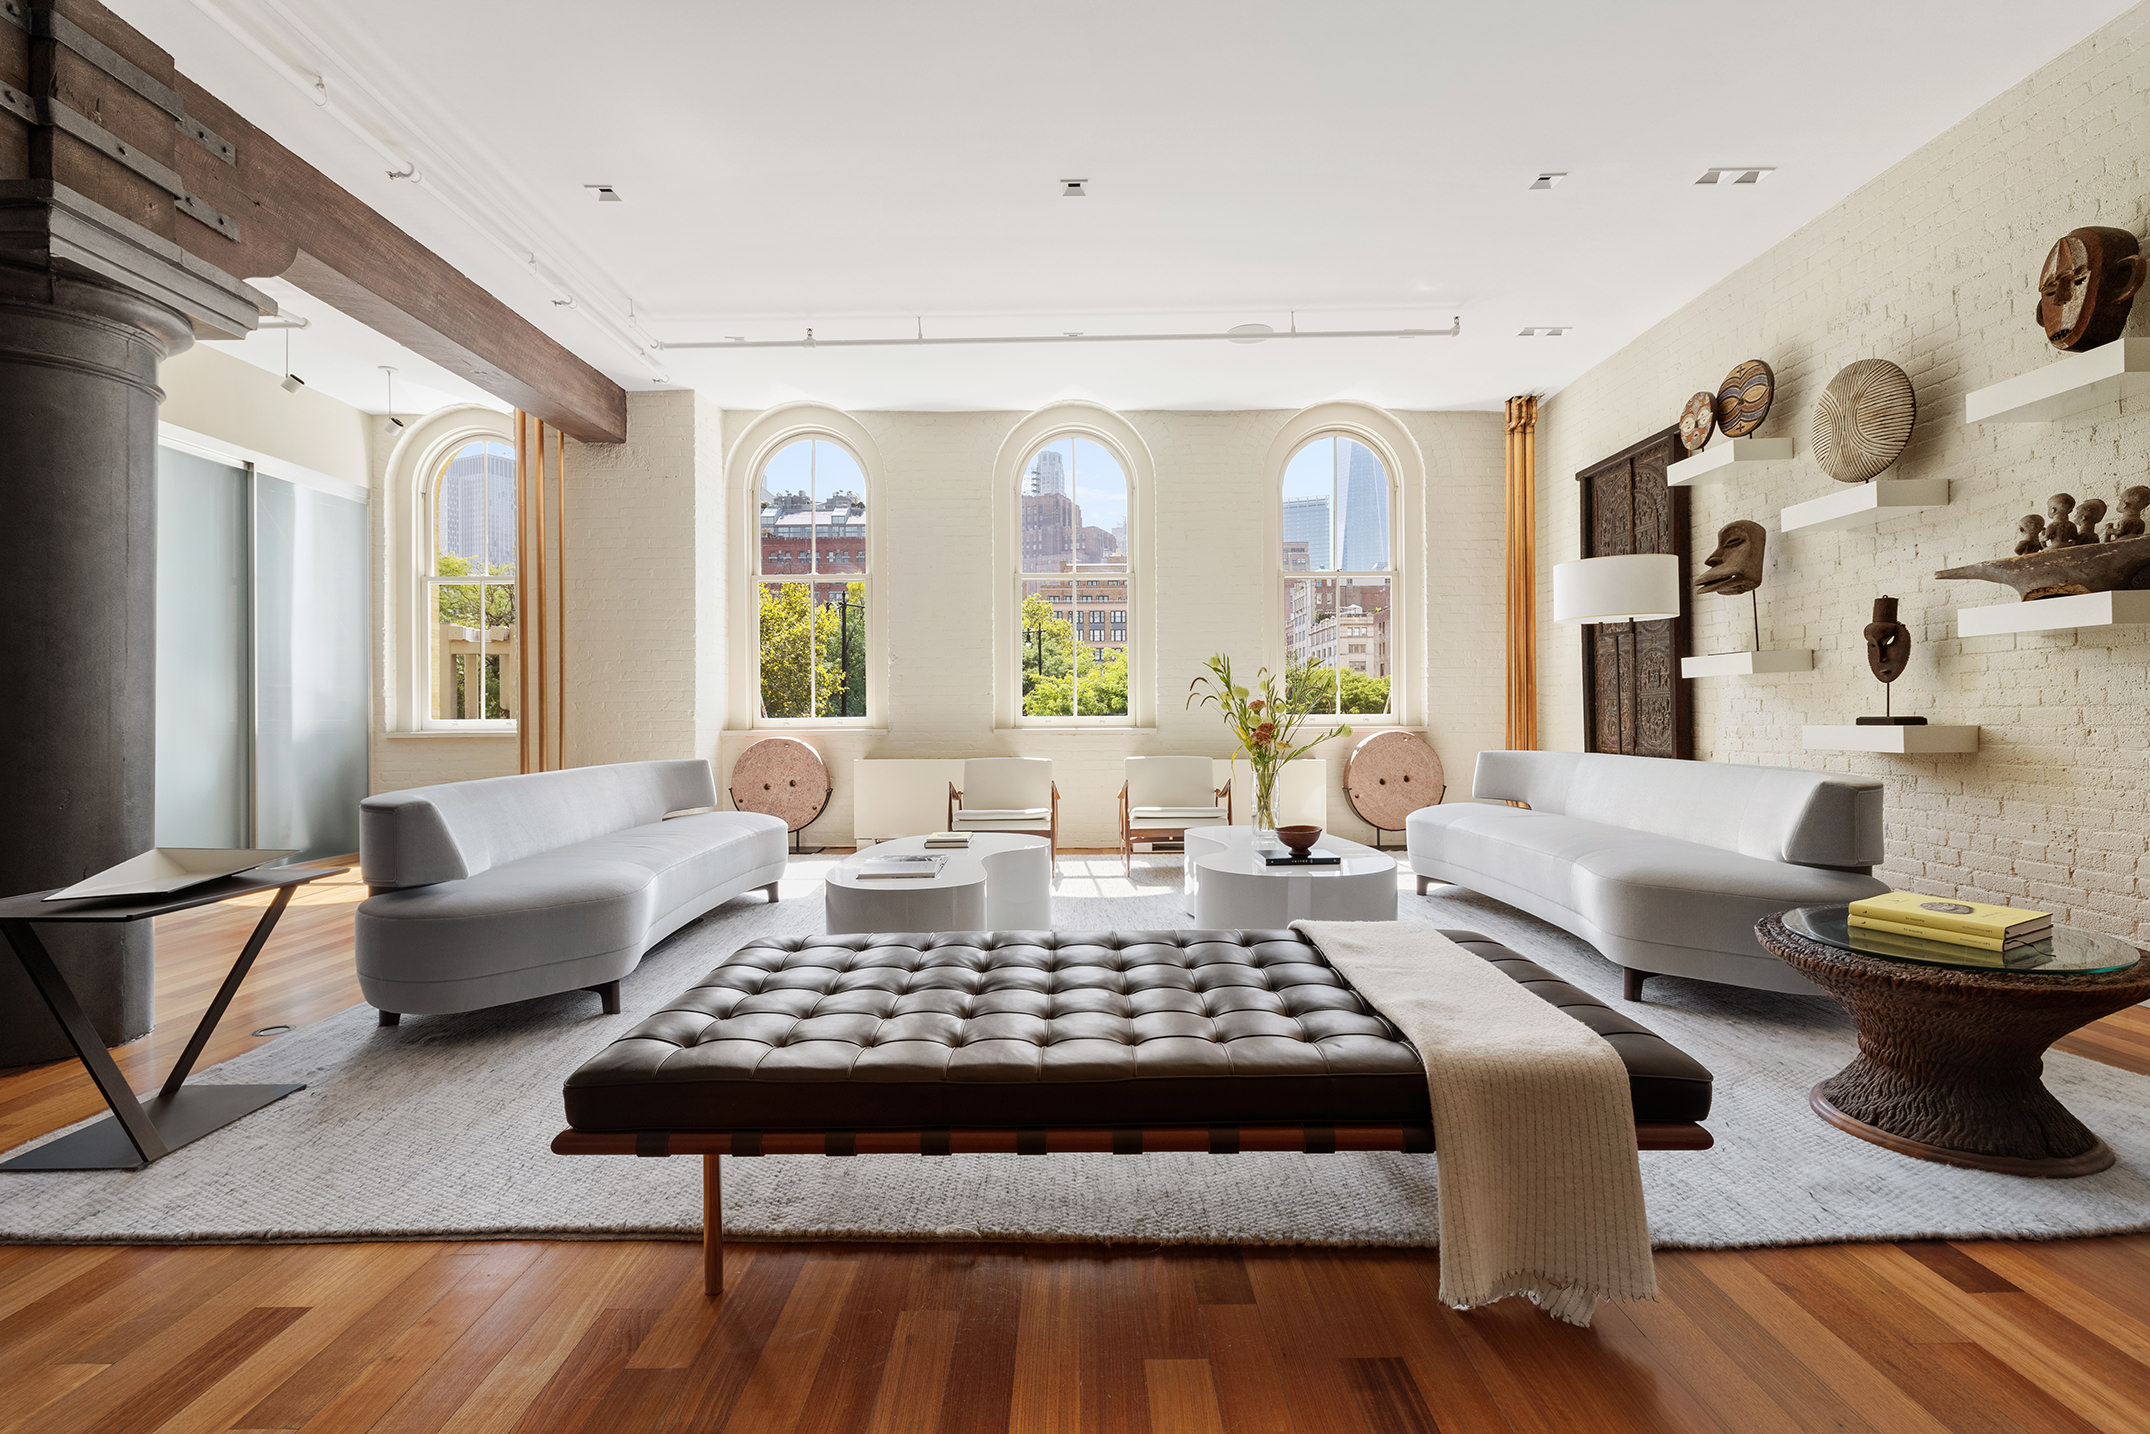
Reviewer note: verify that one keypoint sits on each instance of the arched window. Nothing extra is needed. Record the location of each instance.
(1339, 573)
(469, 598)
(1074, 582)
(811, 583)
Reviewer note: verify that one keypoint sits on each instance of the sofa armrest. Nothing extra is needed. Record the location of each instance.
(404, 840)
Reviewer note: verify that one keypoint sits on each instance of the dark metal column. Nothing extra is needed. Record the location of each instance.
(78, 444)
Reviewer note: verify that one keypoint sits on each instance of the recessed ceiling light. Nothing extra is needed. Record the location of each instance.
(1544, 331)
(1737, 174)
(603, 193)
(1074, 189)
(1250, 333)
(1549, 178)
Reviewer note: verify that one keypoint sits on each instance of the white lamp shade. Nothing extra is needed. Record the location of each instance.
(1637, 587)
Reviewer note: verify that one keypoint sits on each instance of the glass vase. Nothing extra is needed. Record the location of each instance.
(1265, 802)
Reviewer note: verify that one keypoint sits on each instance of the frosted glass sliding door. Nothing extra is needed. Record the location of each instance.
(313, 678)
(203, 695)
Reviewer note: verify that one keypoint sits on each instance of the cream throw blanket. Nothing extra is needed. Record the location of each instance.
(1541, 1188)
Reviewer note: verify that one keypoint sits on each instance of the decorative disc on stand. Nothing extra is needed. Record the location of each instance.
(1696, 420)
(1862, 420)
(782, 777)
(1390, 775)
(1744, 397)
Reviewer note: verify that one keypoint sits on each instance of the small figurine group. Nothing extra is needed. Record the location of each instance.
(2069, 524)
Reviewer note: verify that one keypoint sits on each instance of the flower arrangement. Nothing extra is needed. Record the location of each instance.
(1265, 720)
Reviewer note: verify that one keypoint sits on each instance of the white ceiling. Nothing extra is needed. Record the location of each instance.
(864, 168)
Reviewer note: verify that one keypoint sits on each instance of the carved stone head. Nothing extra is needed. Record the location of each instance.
(1736, 565)
(2087, 286)
(1888, 642)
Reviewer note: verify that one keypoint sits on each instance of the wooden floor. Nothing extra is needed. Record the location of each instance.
(515, 1337)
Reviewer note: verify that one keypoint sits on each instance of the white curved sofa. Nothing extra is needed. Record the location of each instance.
(1664, 866)
(503, 889)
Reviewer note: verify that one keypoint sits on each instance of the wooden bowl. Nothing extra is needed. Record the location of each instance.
(1299, 840)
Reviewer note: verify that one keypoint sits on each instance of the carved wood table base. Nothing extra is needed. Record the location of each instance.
(1950, 1060)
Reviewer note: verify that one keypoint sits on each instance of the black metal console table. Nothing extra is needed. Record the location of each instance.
(138, 1132)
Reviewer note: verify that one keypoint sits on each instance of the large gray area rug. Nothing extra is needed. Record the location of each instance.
(440, 1128)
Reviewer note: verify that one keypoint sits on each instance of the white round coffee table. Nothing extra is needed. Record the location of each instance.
(1000, 882)
(1229, 886)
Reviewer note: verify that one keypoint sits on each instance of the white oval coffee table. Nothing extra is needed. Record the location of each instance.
(1000, 882)
(1229, 887)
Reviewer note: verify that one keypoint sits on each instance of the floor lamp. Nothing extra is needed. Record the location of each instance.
(1629, 588)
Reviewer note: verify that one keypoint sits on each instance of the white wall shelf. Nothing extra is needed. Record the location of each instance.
(1748, 664)
(2073, 383)
(1728, 458)
(1909, 740)
(1861, 505)
(2054, 614)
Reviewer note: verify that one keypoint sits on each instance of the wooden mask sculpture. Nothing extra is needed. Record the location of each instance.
(1888, 642)
(1736, 565)
(2088, 285)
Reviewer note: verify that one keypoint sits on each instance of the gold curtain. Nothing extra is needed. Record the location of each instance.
(540, 603)
(1522, 549)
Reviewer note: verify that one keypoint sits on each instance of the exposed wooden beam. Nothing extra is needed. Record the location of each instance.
(103, 114)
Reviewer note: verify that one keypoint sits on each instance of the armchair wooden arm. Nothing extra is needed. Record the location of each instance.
(955, 799)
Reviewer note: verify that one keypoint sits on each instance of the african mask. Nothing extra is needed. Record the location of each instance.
(1736, 565)
(2087, 286)
(1888, 642)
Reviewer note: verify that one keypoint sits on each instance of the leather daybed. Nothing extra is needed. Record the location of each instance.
(1046, 1042)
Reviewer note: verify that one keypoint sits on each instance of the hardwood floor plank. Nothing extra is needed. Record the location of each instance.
(687, 1321)
(849, 1378)
(1182, 1399)
(1956, 1267)
(1699, 1384)
(1316, 1390)
(1243, 1370)
(137, 1408)
(746, 1314)
(1389, 1398)
(981, 1371)
(483, 1273)
(775, 1394)
(2094, 1283)
(573, 1399)
(1048, 1393)
(914, 1379)
(1431, 1337)
(1220, 1278)
(47, 1385)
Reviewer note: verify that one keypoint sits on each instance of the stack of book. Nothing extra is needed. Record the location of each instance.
(948, 841)
(1956, 923)
(898, 868)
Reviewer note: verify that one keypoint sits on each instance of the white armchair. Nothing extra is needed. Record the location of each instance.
(1163, 796)
(1007, 794)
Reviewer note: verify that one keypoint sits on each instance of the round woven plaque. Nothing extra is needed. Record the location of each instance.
(783, 777)
(1390, 775)
(1743, 398)
(1696, 421)
(1862, 420)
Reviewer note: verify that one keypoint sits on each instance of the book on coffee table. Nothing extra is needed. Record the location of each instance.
(1951, 938)
(899, 868)
(1284, 856)
(951, 841)
(1938, 918)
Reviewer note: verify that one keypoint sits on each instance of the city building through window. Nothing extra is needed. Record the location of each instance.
(1339, 576)
(470, 585)
(1073, 582)
(812, 609)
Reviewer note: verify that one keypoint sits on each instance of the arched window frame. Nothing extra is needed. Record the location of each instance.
(1118, 437)
(1400, 458)
(763, 440)
(412, 467)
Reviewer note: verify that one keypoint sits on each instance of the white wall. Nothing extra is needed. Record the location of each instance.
(211, 392)
(649, 550)
(1934, 266)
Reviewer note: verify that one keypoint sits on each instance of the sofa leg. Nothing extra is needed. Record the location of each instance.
(1631, 983)
(771, 890)
(1423, 883)
(609, 993)
(390, 1018)
(712, 1226)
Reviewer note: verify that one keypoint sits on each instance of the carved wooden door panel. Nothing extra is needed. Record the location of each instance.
(1635, 701)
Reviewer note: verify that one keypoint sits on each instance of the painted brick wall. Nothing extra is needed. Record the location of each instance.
(1933, 266)
(1213, 572)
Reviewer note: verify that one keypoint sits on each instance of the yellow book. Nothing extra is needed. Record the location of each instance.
(1976, 918)
(1935, 933)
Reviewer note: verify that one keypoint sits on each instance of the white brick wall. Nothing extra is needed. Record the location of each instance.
(1933, 266)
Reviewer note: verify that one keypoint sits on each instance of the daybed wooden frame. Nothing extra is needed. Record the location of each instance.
(1037, 1140)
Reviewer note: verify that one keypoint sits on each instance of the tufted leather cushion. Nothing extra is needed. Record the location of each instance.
(1049, 1028)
